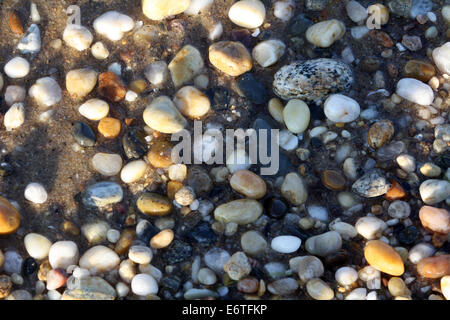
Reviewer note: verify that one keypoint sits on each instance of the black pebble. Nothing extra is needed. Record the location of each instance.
(275, 207)
(29, 267)
(253, 89)
(134, 144)
(83, 134)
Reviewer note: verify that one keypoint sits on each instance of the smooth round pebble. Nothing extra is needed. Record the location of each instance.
(133, 171)
(37, 245)
(144, 284)
(107, 164)
(62, 254)
(17, 68)
(286, 244)
(35, 192)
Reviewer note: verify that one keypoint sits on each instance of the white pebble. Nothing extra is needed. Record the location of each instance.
(131, 96)
(399, 209)
(140, 254)
(31, 43)
(318, 212)
(340, 108)
(296, 116)
(247, 13)
(356, 12)
(77, 37)
(35, 192)
(268, 52)
(415, 91)
(421, 251)
(345, 276)
(17, 67)
(94, 109)
(157, 72)
(14, 117)
(284, 9)
(177, 172)
(144, 284)
(46, 91)
(216, 31)
(198, 6)
(107, 164)
(99, 259)
(441, 57)
(370, 227)
(113, 235)
(286, 244)
(406, 162)
(113, 25)
(323, 34)
(99, 51)
(62, 254)
(122, 289)
(287, 140)
(37, 245)
(133, 171)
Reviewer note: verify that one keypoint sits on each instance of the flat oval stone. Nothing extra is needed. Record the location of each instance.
(419, 70)
(434, 267)
(107, 164)
(160, 154)
(159, 10)
(162, 115)
(324, 244)
(154, 204)
(333, 180)
(191, 102)
(99, 259)
(242, 211)
(9, 217)
(435, 219)
(133, 171)
(230, 57)
(102, 194)
(247, 13)
(340, 108)
(62, 254)
(90, 288)
(253, 243)
(83, 134)
(134, 144)
(80, 82)
(162, 240)
(433, 191)
(296, 116)
(384, 258)
(312, 79)
(37, 245)
(323, 34)
(109, 127)
(319, 290)
(415, 91)
(249, 184)
(372, 184)
(286, 244)
(144, 284)
(94, 109)
(294, 189)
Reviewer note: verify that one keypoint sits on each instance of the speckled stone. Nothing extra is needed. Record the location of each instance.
(312, 79)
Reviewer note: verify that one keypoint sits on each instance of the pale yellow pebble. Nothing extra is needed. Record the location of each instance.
(162, 239)
(276, 108)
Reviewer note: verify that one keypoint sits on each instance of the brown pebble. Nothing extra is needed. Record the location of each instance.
(396, 192)
(382, 38)
(333, 180)
(44, 268)
(14, 23)
(172, 188)
(111, 87)
(380, 133)
(125, 241)
(159, 155)
(434, 267)
(70, 228)
(419, 70)
(5, 286)
(439, 240)
(376, 209)
(109, 127)
(248, 285)
(138, 86)
(9, 217)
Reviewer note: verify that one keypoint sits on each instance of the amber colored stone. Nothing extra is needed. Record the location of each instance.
(172, 188)
(138, 86)
(434, 267)
(44, 268)
(125, 241)
(154, 204)
(111, 87)
(129, 121)
(9, 217)
(5, 286)
(396, 192)
(435, 219)
(438, 239)
(109, 127)
(382, 38)
(14, 23)
(249, 184)
(333, 180)
(70, 228)
(159, 155)
(384, 258)
(419, 70)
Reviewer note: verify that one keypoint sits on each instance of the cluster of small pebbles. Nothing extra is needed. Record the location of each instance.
(358, 210)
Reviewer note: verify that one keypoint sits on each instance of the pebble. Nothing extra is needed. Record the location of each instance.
(77, 37)
(430, 170)
(94, 109)
(415, 91)
(323, 34)
(102, 194)
(153, 204)
(80, 82)
(159, 155)
(14, 94)
(340, 108)
(111, 87)
(107, 164)
(435, 219)
(420, 251)
(31, 43)
(191, 102)
(83, 134)
(412, 43)
(185, 196)
(99, 51)
(5, 286)
(89, 288)
(397, 287)
(445, 287)
(275, 108)
(406, 162)
(441, 57)
(268, 52)
(63, 254)
(370, 227)
(17, 68)
(56, 278)
(14, 117)
(293, 189)
(113, 235)
(347, 231)
(380, 133)
(333, 180)
(419, 70)
(399, 209)
(95, 232)
(284, 9)
(113, 25)
(206, 277)
(238, 160)
(186, 64)
(230, 57)
(283, 287)
(356, 12)
(198, 6)
(248, 285)
(253, 243)
(162, 115)
(319, 290)
(286, 244)
(162, 240)
(296, 116)
(252, 89)
(248, 183)
(157, 73)
(383, 257)
(372, 184)
(46, 91)
(37, 245)
(14, 23)
(177, 172)
(434, 267)
(133, 171)
(35, 192)
(159, 10)
(324, 244)
(238, 266)
(345, 276)
(312, 79)
(433, 191)
(140, 254)
(247, 13)
(216, 258)
(357, 294)
(242, 211)
(99, 259)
